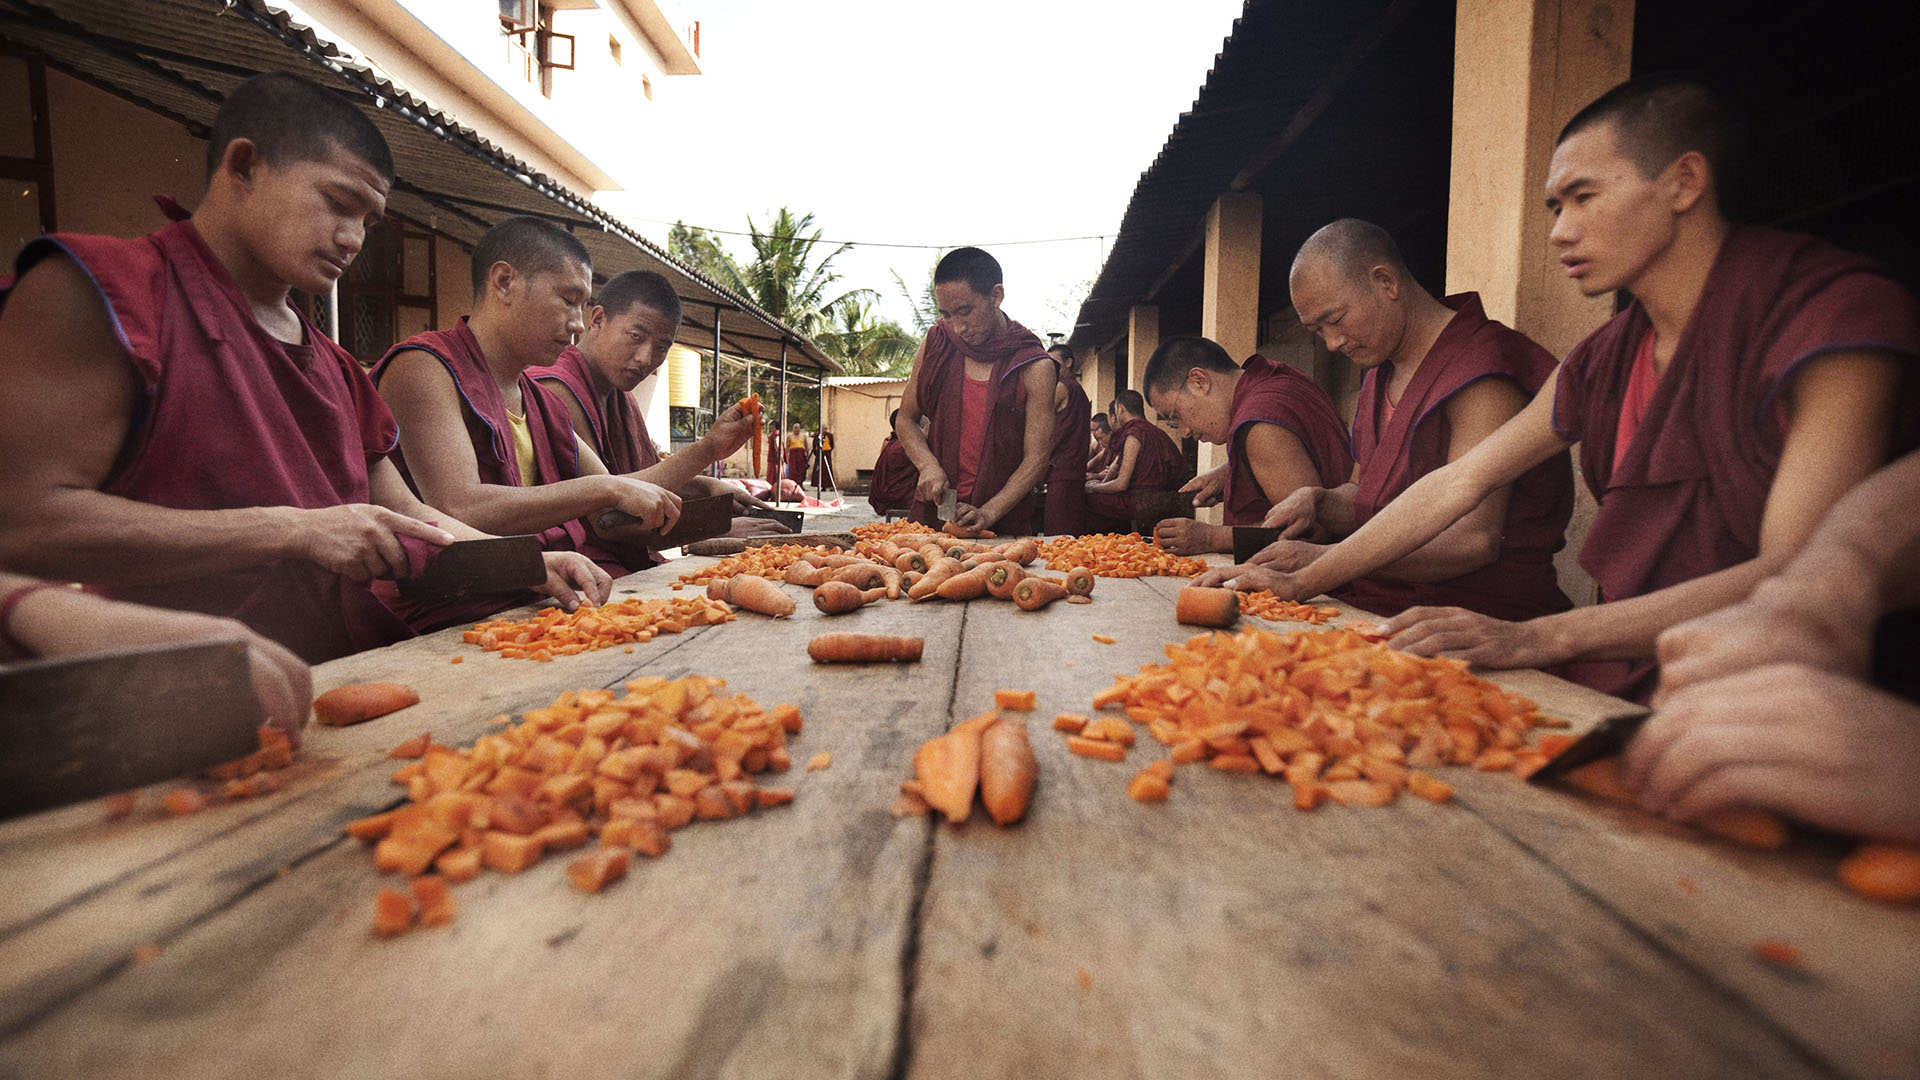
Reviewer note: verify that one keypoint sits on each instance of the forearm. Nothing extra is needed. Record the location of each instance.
(1422, 512)
(1018, 486)
(1866, 552)
(919, 451)
(675, 470)
(1334, 510)
(1627, 629)
(509, 511)
(86, 535)
(1464, 547)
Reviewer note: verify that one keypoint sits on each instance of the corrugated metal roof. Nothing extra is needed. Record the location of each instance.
(181, 58)
(862, 380)
(1326, 108)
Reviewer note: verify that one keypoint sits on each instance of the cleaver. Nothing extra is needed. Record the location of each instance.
(949, 507)
(80, 727)
(469, 567)
(700, 519)
(1603, 740)
(1248, 540)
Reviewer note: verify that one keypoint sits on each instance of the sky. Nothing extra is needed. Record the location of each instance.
(908, 122)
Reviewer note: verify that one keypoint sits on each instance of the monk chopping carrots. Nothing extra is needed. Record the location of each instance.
(973, 378)
(1754, 379)
(1145, 459)
(630, 327)
(1067, 467)
(479, 435)
(1280, 430)
(177, 433)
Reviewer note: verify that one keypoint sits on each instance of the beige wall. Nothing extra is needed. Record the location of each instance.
(110, 157)
(857, 416)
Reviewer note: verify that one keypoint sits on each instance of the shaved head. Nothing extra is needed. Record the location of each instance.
(1656, 118)
(1351, 248)
(290, 119)
(642, 287)
(529, 245)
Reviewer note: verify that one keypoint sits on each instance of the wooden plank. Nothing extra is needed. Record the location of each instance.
(751, 946)
(1225, 934)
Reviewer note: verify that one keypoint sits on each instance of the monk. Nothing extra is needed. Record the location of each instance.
(630, 327)
(1440, 377)
(1768, 702)
(890, 491)
(973, 377)
(1145, 459)
(176, 433)
(1280, 429)
(1067, 467)
(479, 435)
(1100, 453)
(1754, 379)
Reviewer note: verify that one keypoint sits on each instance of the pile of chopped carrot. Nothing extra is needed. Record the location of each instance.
(1336, 713)
(767, 561)
(551, 632)
(1113, 555)
(883, 530)
(624, 769)
(1273, 609)
(243, 778)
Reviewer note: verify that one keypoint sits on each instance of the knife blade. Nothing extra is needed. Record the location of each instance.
(700, 519)
(949, 508)
(1604, 739)
(468, 567)
(1248, 540)
(80, 727)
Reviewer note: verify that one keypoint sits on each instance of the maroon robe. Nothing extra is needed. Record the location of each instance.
(1688, 496)
(1394, 451)
(1157, 466)
(485, 412)
(619, 435)
(1065, 513)
(941, 386)
(894, 478)
(228, 418)
(1274, 393)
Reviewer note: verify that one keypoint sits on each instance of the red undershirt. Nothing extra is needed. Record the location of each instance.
(973, 437)
(1642, 381)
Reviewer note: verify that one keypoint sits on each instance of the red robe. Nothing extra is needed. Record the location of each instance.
(229, 417)
(894, 478)
(943, 374)
(554, 457)
(1273, 393)
(619, 435)
(1688, 496)
(1157, 466)
(1065, 513)
(1396, 450)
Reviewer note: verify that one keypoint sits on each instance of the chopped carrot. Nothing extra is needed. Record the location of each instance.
(412, 748)
(594, 872)
(1104, 639)
(909, 804)
(456, 660)
(436, 901)
(844, 648)
(145, 952)
(121, 804)
(1007, 769)
(1013, 699)
(1095, 748)
(392, 912)
(1745, 825)
(1071, 723)
(819, 761)
(1427, 787)
(948, 768)
(345, 705)
(1207, 607)
(1147, 786)
(1778, 953)
(1116, 555)
(1267, 606)
(1884, 870)
(184, 801)
(460, 864)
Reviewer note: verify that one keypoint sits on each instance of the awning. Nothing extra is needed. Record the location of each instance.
(181, 58)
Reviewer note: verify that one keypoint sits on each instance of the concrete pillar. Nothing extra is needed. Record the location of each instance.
(1230, 293)
(1522, 68)
(1143, 336)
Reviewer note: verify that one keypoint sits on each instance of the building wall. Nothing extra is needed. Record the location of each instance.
(110, 157)
(857, 416)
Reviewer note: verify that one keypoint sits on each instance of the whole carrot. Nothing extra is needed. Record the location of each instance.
(1007, 769)
(1022, 551)
(754, 594)
(345, 705)
(1002, 576)
(968, 585)
(838, 598)
(942, 569)
(863, 648)
(1207, 607)
(910, 560)
(805, 573)
(1080, 581)
(1034, 593)
(863, 575)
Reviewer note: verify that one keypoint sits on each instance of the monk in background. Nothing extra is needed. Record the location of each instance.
(1100, 453)
(891, 489)
(630, 328)
(985, 386)
(478, 434)
(1145, 459)
(1440, 378)
(1281, 431)
(1065, 511)
(177, 434)
(1756, 377)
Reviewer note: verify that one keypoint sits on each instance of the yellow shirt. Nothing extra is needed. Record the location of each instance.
(522, 448)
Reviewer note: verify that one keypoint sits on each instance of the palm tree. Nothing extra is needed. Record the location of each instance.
(863, 343)
(782, 277)
(926, 310)
(701, 250)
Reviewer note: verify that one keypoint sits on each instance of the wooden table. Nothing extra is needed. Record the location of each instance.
(1514, 932)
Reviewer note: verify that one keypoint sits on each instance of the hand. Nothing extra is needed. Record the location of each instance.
(729, 433)
(1287, 556)
(1296, 515)
(655, 507)
(753, 526)
(1823, 747)
(1471, 636)
(1208, 486)
(1776, 624)
(975, 518)
(571, 575)
(1185, 536)
(932, 485)
(1249, 578)
(357, 540)
(66, 622)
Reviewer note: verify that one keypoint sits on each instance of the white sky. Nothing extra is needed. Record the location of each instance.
(904, 121)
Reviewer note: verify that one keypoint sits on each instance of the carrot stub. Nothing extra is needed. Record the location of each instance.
(753, 593)
(345, 705)
(1034, 593)
(1007, 769)
(948, 768)
(1884, 870)
(1207, 607)
(838, 597)
(847, 648)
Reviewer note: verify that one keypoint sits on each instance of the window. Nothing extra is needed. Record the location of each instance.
(389, 293)
(536, 59)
